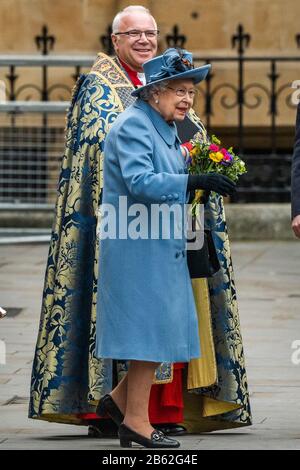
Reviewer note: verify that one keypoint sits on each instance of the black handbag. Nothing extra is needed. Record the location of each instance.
(203, 262)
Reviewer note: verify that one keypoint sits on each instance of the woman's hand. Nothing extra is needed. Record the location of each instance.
(296, 225)
(212, 182)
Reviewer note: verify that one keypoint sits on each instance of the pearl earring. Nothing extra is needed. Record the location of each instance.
(156, 101)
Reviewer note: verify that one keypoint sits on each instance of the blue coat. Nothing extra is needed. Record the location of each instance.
(145, 307)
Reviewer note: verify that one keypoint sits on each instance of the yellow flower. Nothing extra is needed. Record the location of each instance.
(193, 152)
(216, 156)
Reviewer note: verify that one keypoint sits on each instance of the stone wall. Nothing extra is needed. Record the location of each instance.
(209, 25)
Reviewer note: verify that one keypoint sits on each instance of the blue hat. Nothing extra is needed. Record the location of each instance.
(174, 64)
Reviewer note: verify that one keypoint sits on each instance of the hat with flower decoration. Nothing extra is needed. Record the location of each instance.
(173, 64)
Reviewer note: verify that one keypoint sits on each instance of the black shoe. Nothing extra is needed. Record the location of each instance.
(107, 405)
(171, 429)
(158, 440)
(102, 428)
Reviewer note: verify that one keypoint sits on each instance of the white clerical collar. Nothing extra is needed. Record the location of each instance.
(141, 77)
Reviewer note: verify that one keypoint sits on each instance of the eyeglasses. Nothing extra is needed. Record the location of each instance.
(182, 92)
(136, 34)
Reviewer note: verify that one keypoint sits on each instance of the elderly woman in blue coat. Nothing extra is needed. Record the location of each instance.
(146, 311)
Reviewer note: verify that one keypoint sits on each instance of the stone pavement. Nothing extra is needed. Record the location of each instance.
(268, 282)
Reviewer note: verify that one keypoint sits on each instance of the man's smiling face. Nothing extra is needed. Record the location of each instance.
(135, 51)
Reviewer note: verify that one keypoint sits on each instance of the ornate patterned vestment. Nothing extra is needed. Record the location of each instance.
(67, 378)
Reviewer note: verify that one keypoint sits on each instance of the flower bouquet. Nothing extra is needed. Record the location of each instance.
(211, 157)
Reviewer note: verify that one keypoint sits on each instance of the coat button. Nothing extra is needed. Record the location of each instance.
(170, 197)
(163, 198)
(177, 254)
(176, 196)
(183, 253)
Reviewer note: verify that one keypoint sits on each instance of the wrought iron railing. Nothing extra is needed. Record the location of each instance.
(30, 153)
(251, 106)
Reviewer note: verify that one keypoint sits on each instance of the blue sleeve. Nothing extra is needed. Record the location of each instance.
(134, 148)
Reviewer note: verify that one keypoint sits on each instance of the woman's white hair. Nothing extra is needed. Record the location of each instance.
(131, 9)
(148, 92)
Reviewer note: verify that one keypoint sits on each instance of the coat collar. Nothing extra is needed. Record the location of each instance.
(167, 131)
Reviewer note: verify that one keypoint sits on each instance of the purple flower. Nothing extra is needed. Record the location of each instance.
(227, 160)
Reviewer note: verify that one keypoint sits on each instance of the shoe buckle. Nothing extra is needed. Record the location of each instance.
(157, 435)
